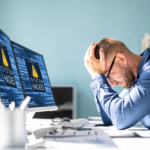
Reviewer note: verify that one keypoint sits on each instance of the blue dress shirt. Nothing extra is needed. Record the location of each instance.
(132, 105)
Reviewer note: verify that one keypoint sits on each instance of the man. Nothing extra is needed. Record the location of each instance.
(110, 62)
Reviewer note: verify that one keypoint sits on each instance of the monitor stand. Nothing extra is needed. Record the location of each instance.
(29, 116)
(30, 121)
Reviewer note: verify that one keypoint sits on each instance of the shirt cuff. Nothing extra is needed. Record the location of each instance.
(98, 82)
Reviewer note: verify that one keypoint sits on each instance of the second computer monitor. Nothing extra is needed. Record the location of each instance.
(34, 78)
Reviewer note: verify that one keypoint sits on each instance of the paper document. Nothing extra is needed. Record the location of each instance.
(95, 119)
(78, 139)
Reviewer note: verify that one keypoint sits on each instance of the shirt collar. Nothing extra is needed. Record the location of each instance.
(145, 55)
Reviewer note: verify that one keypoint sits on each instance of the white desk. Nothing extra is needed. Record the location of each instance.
(122, 143)
(131, 143)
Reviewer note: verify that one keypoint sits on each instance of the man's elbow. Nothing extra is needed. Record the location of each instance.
(121, 125)
(118, 127)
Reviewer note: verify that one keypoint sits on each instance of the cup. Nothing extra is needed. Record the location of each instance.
(12, 129)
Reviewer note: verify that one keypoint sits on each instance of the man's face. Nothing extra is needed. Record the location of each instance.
(120, 74)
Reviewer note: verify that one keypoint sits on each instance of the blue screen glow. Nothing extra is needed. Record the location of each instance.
(10, 87)
(33, 76)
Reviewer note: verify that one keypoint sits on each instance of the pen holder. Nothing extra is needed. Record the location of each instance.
(12, 128)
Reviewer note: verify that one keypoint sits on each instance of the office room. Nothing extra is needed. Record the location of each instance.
(74, 74)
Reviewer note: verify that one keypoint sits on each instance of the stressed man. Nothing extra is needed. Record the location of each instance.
(111, 63)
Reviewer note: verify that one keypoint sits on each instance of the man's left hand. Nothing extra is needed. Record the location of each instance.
(93, 65)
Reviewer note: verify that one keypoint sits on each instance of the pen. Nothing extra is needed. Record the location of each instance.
(102, 125)
(25, 103)
(12, 106)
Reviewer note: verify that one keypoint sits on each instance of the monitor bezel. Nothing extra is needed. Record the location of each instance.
(39, 108)
(6, 35)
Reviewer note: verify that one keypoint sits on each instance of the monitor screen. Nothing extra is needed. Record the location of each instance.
(33, 76)
(10, 86)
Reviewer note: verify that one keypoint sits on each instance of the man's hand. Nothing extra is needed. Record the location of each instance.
(93, 65)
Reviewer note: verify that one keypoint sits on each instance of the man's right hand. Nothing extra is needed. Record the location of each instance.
(93, 65)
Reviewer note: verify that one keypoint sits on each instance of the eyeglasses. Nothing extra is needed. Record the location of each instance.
(111, 68)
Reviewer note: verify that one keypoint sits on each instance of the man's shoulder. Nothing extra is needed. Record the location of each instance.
(145, 71)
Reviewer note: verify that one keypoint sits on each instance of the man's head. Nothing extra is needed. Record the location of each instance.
(119, 68)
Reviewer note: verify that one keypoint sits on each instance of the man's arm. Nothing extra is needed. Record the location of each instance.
(105, 118)
(127, 111)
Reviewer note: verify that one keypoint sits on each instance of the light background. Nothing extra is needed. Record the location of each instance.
(62, 30)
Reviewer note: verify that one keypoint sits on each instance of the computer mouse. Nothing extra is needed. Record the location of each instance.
(65, 119)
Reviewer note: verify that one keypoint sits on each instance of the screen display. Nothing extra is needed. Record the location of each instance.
(33, 76)
(10, 87)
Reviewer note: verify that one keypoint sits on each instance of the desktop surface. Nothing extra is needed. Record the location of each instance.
(120, 142)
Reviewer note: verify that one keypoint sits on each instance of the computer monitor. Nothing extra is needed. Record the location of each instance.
(10, 86)
(34, 79)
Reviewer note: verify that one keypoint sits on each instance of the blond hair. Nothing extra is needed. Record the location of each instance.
(110, 46)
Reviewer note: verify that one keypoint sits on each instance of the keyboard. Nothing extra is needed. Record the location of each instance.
(73, 125)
